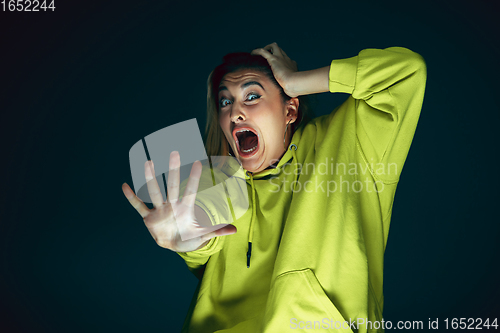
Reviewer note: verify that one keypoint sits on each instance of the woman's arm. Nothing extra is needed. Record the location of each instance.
(293, 82)
(388, 84)
(309, 82)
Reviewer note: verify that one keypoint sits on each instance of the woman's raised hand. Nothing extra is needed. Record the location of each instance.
(170, 219)
(282, 66)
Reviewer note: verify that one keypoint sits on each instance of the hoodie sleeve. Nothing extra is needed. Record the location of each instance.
(195, 260)
(388, 86)
(224, 198)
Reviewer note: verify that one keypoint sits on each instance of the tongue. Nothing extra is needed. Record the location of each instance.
(248, 141)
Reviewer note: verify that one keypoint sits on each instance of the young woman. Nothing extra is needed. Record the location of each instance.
(308, 253)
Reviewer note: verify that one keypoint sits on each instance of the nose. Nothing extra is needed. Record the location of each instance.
(237, 114)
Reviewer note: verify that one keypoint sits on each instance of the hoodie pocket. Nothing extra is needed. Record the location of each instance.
(297, 301)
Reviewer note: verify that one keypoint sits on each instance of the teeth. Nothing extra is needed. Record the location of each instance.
(249, 150)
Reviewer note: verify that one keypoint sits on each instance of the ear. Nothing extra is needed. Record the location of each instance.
(292, 109)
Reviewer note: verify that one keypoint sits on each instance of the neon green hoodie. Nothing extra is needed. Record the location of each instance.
(318, 223)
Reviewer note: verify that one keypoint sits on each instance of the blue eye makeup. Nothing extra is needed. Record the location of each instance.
(221, 102)
(250, 97)
(253, 94)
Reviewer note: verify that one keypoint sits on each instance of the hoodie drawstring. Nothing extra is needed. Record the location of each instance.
(250, 232)
(293, 148)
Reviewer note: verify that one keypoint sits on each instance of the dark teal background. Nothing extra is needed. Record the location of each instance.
(82, 84)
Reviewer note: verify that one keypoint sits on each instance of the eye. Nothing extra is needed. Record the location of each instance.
(223, 101)
(249, 97)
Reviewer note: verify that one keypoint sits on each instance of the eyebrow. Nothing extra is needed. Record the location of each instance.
(244, 85)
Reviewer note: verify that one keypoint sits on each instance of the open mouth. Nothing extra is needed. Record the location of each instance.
(247, 142)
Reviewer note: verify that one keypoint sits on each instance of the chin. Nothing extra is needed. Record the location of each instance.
(252, 165)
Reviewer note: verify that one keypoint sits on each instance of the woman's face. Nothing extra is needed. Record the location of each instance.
(253, 118)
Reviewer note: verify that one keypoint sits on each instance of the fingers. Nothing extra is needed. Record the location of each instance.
(173, 177)
(137, 203)
(153, 188)
(266, 51)
(274, 49)
(262, 52)
(270, 50)
(189, 196)
(227, 230)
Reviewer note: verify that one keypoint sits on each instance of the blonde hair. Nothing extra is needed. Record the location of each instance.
(215, 140)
